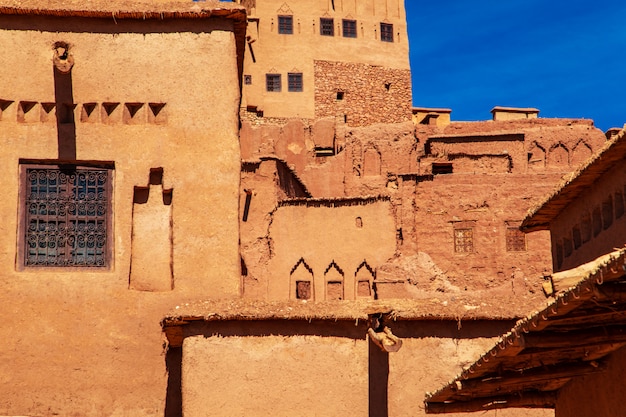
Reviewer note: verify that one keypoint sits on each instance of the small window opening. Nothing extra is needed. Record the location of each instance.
(339, 95)
(441, 168)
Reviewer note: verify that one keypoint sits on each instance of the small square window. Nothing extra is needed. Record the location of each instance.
(327, 26)
(247, 79)
(386, 32)
(272, 82)
(464, 240)
(66, 216)
(294, 82)
(285, 25)
(515, 240)
(349, 28)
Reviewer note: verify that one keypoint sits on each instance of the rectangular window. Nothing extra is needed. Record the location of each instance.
(464, 240)
(67, 216)
(386, 32)
(515, 240)
(327, 26)
(285, 25)
(349, 28)
(272, 82)
(295, 82)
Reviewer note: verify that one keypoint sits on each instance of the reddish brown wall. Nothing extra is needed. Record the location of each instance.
(593, 224)
(597, 395)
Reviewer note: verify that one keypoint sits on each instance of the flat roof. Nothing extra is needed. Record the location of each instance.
(117, 9)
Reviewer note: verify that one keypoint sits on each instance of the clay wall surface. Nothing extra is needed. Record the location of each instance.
(591, 225)
(80, 341)
(467, 181)
(332, 246)
(285, 368)
(271, 52)
(597, 395)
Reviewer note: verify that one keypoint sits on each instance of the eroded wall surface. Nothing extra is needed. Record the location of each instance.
(80, 341)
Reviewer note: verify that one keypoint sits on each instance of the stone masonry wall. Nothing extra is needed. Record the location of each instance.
(362, 94)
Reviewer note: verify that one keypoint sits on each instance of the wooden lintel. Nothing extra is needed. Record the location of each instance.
(582, 318)
(596, 336)
(524, 400)
(529, 378)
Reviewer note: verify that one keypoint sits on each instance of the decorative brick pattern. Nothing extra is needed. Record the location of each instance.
(363, 94)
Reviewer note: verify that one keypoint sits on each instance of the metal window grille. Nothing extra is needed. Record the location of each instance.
(386, 32)
(327, 26)
(515, 240)
(349, 28)
(67, 217)
(285, 25)
(272, 82)
(464, 240)
(295, 82)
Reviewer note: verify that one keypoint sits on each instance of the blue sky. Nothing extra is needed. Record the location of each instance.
(566, 58)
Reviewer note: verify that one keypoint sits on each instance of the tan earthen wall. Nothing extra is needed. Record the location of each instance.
(80, 342)
(362, 94)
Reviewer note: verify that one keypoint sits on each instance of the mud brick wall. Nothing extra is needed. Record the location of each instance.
(363, 94)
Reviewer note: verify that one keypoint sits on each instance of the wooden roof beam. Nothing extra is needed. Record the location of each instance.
(526, 400)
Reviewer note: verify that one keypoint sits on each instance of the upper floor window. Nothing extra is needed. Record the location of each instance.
(273, 82)
(327, 26)
(295, 81)
(66, 216)
(285, 25)
(386, 32)
(349, 28)
(515, 240)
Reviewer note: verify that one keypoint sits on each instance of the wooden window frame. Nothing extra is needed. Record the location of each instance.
(386, 32)
(349, 28)
(327, 26)
(273, 83)
(285, 24)
(295, 82)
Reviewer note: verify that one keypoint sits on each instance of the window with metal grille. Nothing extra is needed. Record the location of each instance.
(464, 240)
(349, 28)
(272, 81)
(515, 240)
(295, 81)
(67, 216)
(327, 26)
(386, 32)
(285, 25)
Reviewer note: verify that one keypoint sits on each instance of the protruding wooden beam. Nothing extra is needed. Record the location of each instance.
(526, 400)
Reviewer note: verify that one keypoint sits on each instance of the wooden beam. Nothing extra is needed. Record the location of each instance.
(581, 318)
(525, 400)
(571, 339)
(524, 379)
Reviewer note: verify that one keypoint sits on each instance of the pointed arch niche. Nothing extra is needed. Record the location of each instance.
(363, 281)
(581, 152)
(558, 156)
(334, 282)
(301, 282)
(536, 156)
(371, 162)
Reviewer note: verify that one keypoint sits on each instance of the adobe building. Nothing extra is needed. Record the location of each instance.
(121, 193)
(568, 355)
(343, 59)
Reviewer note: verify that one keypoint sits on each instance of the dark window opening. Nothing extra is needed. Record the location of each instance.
(386, 32)
(321, 152)
(273, 83)
(285, 25)
(303, 290)
(577, 236)
(619, 204)
(247, 79)
(327, 26)
(339, 95)
(349, 28)
(246, 207)
(244, 268)
(559, 255)
(585, 228)
(441, 168)
(567, 247)
(67, 216)
(596, 218)
(294, 81)
(607, 212)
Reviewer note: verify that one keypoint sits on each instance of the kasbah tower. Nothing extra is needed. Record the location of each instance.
(271, 230)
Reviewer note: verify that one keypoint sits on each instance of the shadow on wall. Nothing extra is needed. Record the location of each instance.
(378, 361)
